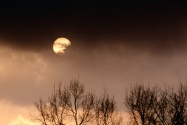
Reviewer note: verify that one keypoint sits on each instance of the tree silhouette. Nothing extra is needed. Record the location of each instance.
(66, 104)
(141, 102)
(106, 110)
(178, 106)
(157, 106)
(54, 111)
(81, 104)
(146, 106)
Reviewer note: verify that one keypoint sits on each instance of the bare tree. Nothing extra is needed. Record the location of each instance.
(141, 103)
(66, 104)
(162, 107)
(106, 110)
(81, 104)
(178, 106)
(171, 106)
(157, 106)
(146, 105)
(54, 111)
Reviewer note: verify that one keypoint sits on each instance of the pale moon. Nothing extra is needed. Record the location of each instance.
(60, 45)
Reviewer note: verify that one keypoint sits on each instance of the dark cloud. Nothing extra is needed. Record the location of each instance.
(156, 26)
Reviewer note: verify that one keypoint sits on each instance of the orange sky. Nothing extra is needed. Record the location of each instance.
(27, 75)
(113, 45)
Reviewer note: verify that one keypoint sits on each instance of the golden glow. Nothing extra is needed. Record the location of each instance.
(20, 120)
(60, 45)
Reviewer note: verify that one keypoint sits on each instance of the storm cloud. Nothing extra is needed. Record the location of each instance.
(155, 26)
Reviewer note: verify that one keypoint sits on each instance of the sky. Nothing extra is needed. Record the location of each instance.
(113, 45)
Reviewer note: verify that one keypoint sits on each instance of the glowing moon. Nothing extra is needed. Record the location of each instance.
(60, 45)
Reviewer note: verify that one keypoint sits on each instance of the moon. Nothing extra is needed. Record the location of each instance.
(60, 45)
